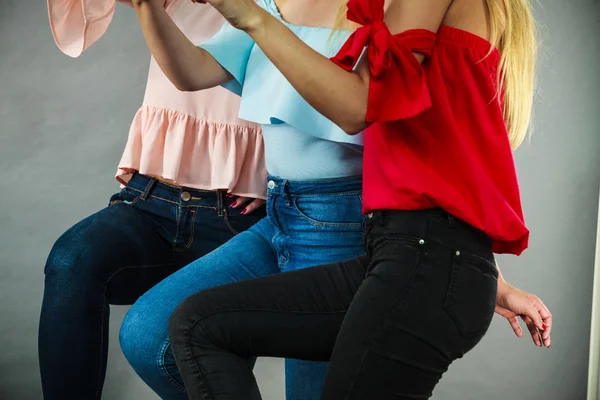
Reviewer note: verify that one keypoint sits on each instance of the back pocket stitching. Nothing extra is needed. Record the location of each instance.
(452, 289)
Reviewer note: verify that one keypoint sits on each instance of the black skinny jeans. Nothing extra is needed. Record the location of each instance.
(389, 322)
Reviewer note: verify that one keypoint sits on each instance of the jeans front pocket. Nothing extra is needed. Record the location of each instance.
(471, 297)
(126, 196)
(343, 210)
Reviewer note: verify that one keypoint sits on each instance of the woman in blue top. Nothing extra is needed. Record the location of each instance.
(314, 188)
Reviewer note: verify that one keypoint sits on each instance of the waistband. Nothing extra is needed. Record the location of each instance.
(316, 187)
(153, 187)
(435, 225)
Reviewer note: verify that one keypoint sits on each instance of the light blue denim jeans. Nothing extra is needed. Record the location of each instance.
(308, 223)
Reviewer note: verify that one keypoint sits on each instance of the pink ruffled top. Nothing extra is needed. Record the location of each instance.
(190, 139)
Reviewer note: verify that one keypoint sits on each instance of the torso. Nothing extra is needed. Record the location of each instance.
(300, 144)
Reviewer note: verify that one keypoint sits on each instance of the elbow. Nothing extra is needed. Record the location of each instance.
(353, 128)
(354, 124)
(354, 119)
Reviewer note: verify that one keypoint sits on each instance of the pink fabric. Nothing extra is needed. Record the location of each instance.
(190, 139)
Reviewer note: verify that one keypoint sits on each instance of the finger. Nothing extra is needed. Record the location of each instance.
(546, 321)
(504, 312)
(514, 323)
(253, 206)
(240, 202)
(533, 330)
(534, 315)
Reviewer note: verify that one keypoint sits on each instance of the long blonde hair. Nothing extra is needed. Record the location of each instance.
(512, 28)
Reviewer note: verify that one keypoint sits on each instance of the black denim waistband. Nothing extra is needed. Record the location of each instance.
(437, 225)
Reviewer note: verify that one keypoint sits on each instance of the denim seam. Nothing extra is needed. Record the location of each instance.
(316, 223)
(177, 223)
(325, 194)
(228, 224)
(98, 383)
(164, 370)
(193, 223)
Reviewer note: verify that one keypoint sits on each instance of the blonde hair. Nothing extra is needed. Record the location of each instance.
(512, 28)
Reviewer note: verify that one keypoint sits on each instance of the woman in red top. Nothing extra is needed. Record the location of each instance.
(443, 90)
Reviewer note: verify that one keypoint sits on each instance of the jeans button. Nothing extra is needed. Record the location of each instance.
(271, 185)
(370, 215)
(186, 196)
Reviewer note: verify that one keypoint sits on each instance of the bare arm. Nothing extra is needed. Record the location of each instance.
(339, 95)
(188, 67)
(513, 303)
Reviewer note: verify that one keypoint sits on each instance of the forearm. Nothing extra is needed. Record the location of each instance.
(339, 95)
(503, 286)
(500, 276)
(188, 67)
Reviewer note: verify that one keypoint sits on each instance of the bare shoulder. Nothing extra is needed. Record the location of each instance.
(471, 16)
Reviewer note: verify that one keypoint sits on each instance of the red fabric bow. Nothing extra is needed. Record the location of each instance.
(394, 68)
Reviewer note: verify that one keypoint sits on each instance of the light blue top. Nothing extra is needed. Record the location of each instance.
(300, 143)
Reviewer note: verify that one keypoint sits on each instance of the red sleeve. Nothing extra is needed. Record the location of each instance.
(397, 88)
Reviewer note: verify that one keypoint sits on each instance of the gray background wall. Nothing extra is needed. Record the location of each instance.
(63, 124)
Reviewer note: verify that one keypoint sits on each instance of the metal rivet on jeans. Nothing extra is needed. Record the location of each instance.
(421, 242)
(186, 196)
(457, 253)
(271, 185)
(370, 215)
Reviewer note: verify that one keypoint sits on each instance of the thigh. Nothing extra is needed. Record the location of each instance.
(292, 315)
(398, 337)
(115, 250)
(245, 256)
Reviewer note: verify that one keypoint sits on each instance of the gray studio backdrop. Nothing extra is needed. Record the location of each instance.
(63, 124)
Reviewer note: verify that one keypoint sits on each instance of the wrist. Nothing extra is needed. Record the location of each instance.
(148, 4)
(255, 23)
(503, 288)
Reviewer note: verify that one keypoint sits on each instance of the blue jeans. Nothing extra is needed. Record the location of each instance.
(308, 223)
(148, 231)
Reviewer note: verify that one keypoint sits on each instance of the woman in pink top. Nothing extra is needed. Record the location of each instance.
(185, 152)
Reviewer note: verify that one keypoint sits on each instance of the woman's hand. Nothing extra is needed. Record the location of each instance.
(512, 302)
(242, 14)
(249, 203)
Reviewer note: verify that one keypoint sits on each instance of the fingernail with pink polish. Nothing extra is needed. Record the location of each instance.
(244, 211)
(233, 204)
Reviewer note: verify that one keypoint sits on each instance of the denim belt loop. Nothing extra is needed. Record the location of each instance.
(285, 193)
(451, 221)
(148, 189)
(220, 203)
